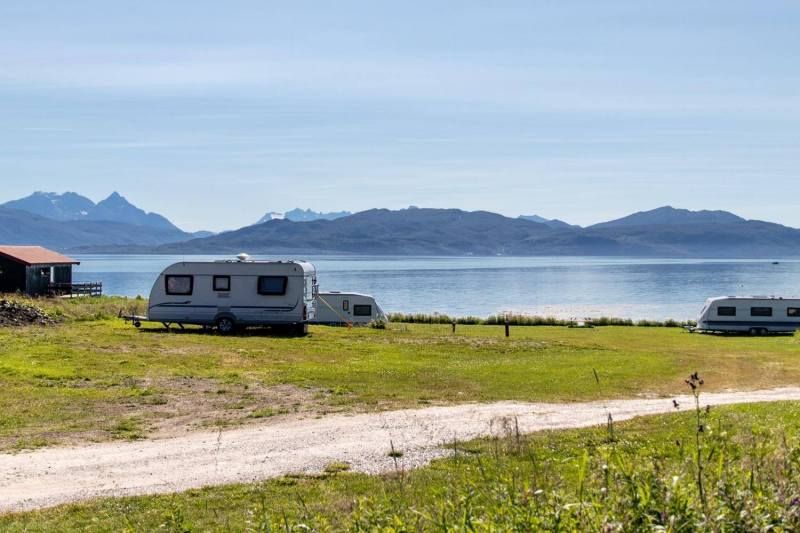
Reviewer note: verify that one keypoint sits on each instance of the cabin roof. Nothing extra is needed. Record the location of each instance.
(35, 255)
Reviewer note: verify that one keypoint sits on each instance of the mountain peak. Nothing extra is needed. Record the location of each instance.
(71, 206)
(117, 208)
(668, 215)
(302, 215)
(552, 222)
(115, 198)
(61, 207)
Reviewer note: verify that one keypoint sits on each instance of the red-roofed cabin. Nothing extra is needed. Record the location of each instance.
(35, 271)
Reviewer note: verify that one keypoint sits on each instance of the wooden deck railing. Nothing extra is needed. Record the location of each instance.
(76, 289)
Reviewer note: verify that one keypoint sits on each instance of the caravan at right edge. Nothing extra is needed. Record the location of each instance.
(756, 315)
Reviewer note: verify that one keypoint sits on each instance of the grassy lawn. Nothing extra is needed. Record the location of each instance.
(92, 377)
(642, 476)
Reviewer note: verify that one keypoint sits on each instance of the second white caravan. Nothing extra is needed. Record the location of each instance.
(237, 293)
(756, 315)
(342, 308)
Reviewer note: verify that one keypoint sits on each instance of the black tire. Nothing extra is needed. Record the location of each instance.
(763, 331)
(300, 330)
(226, 325)
(753, 332)
(137, 324)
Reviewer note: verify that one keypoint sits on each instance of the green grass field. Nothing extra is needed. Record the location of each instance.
(641, 477)
(92, 377)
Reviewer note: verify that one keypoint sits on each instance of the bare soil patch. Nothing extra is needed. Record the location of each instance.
(169, 407)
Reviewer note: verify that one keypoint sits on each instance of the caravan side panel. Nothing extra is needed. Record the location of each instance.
(249, 293)
(339, 308)
(740, 314)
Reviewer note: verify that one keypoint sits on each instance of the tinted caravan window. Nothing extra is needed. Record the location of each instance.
(222, 283)
(179, 285)
(272, 285)
(793, 311)
(760, 311)
(362, 310)
(726, 311)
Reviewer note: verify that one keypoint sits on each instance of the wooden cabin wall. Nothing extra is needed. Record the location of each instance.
(38, 280)
(12, 276)
(63, 274)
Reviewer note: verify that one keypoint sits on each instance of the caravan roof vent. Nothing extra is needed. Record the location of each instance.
(243, 257)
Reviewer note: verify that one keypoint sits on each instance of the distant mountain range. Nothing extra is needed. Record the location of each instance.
(71, 222)
(303, 215)
(21, 227)
(71, 206)
(377, 231)
(662, 232)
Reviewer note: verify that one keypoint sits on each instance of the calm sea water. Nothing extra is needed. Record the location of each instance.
(553, 286)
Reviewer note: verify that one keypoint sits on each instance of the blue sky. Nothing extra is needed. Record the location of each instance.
(213, 113)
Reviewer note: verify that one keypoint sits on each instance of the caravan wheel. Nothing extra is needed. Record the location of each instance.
(226, 325)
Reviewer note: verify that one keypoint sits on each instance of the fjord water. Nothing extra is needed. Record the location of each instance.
(551, 286)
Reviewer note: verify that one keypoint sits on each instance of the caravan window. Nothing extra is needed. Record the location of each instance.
(793, 311)
(726, 311)
(179, 285)
(362, 310)
(760, 311)
(345, 305)
(272, 285)
(222, 283)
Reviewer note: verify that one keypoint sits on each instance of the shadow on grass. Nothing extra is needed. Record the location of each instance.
(267, 331)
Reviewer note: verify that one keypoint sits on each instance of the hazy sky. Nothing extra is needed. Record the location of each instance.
(214, 112)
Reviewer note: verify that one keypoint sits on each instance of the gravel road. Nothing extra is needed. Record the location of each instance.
(52, 476)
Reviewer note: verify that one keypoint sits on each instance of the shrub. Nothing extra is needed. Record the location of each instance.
(515, 319)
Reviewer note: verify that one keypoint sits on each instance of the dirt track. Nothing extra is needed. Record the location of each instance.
(52, 476)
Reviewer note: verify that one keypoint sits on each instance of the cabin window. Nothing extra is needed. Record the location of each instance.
(760, 311)
(362, 310)
(346, 305)
(272, 285)
(726, 311)
(179, 285)
(793, 311)
(222, 283)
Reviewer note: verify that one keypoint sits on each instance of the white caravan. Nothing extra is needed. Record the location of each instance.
(343, 308)
(236, 293)
(756, 315)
